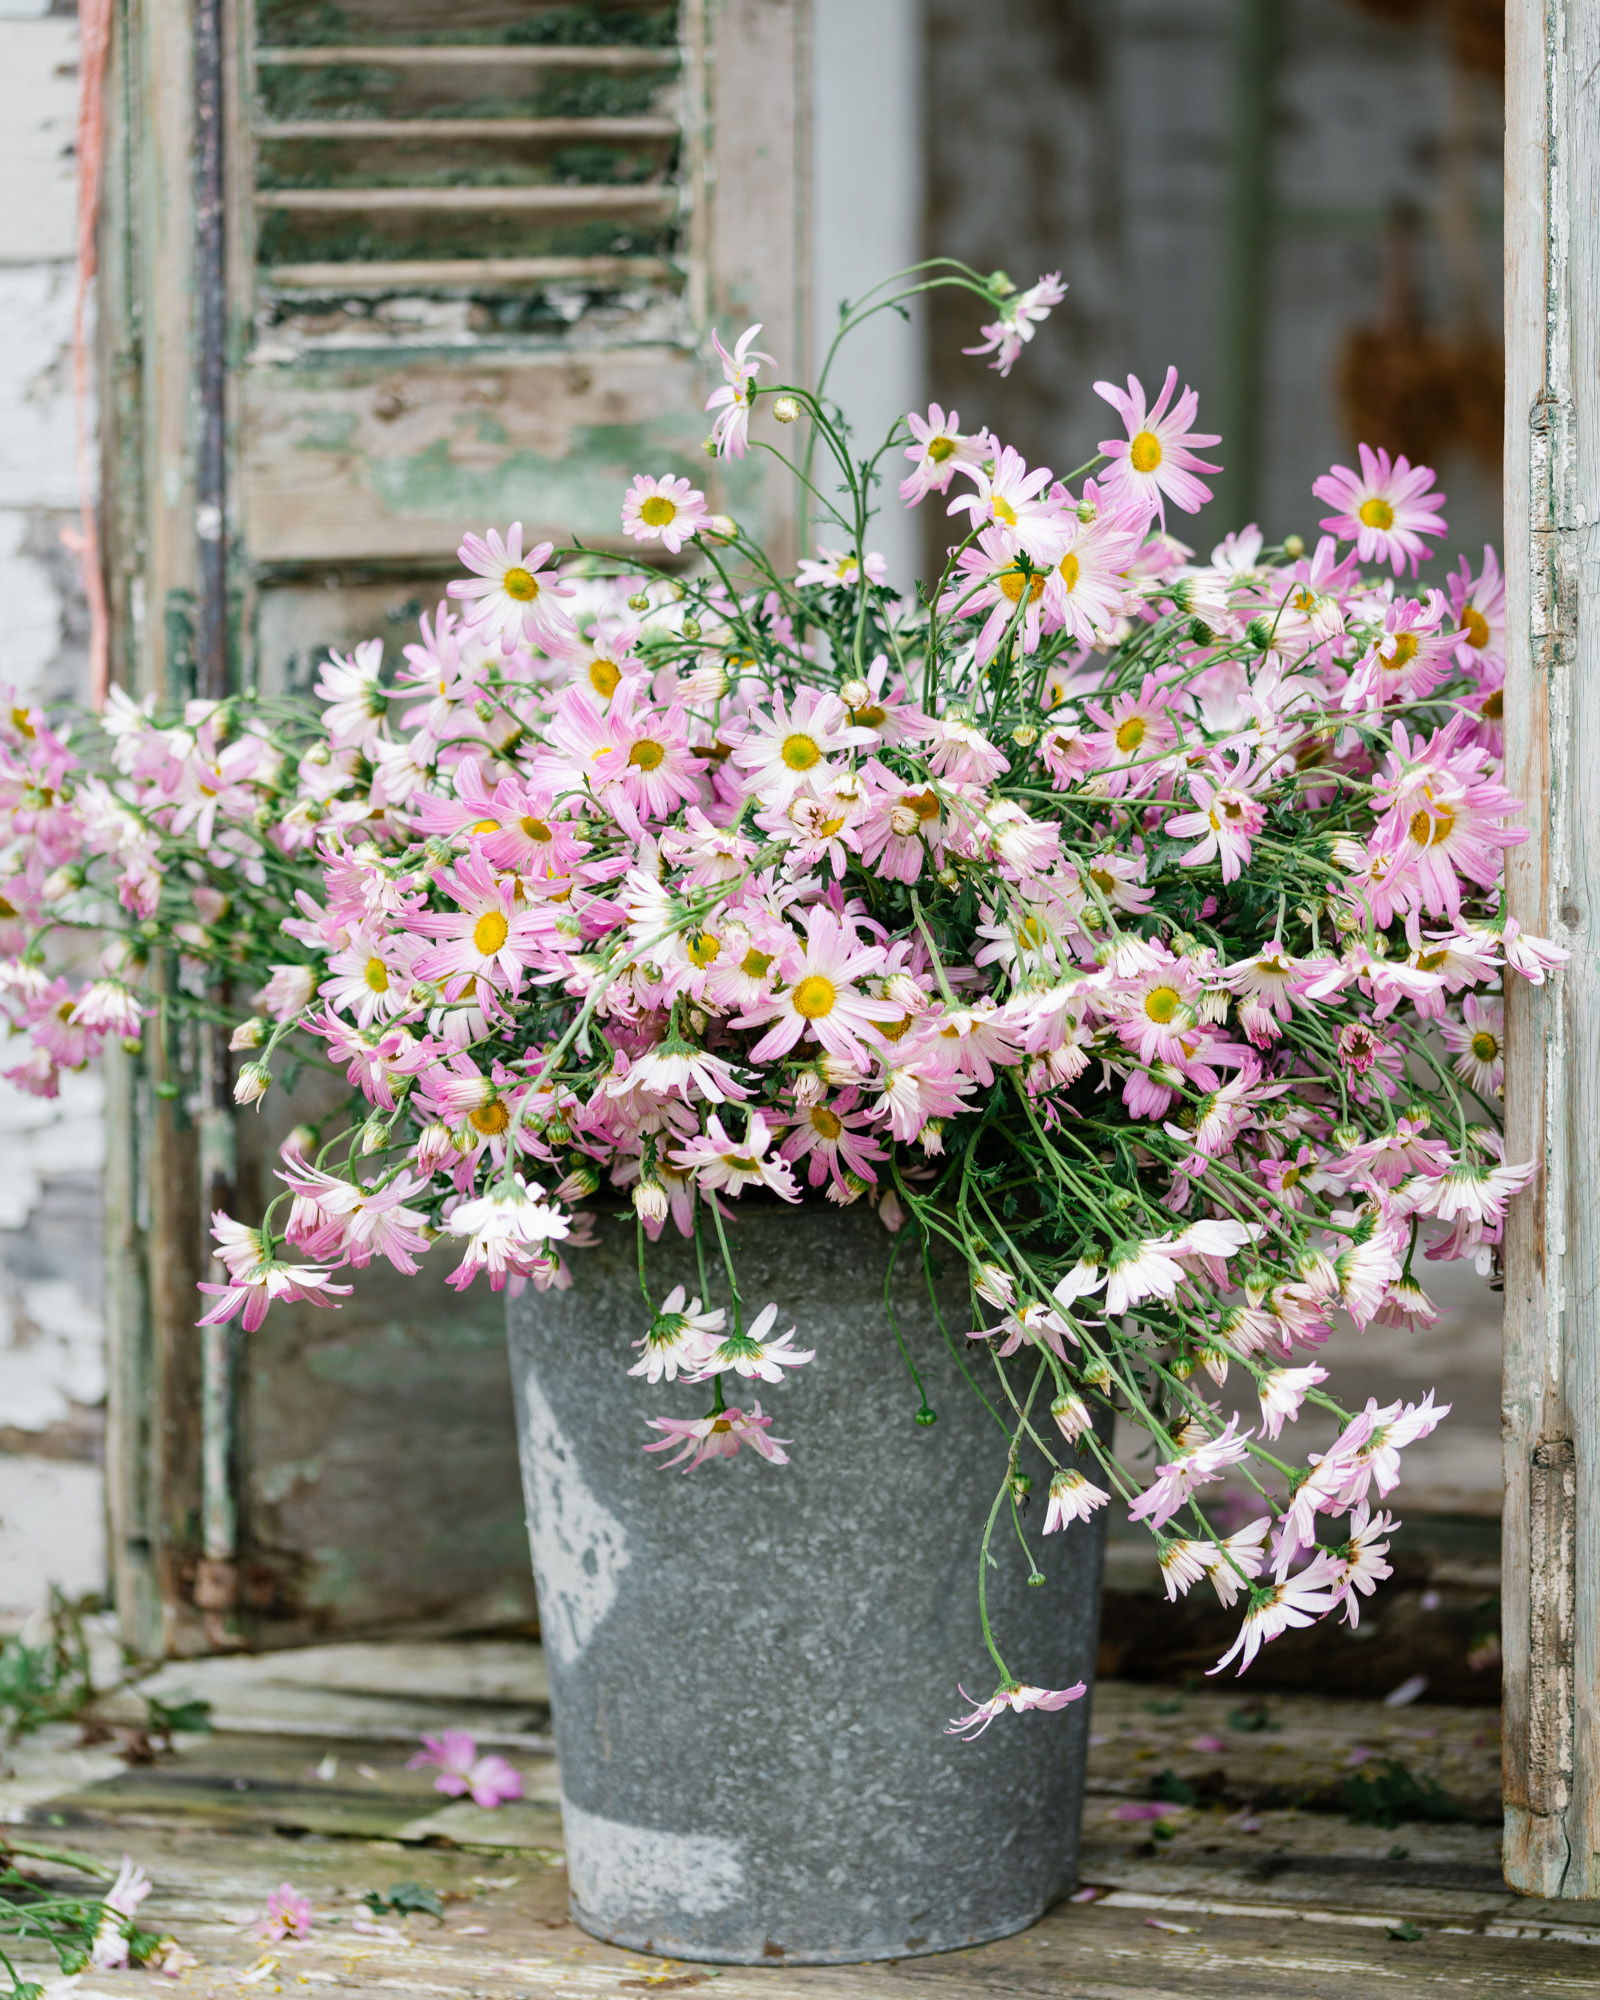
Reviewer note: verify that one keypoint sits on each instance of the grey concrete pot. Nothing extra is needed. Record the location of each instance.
(752, 1666)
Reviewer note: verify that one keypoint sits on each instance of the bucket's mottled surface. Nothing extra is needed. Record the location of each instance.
(752, 1666)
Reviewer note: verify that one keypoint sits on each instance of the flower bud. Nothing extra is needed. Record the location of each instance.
(691, 628)
(374, 1135)
(809, 1088)
(709, 447)
(1259, 633)
(786, 409)
(1071, 1414)
(1294, 547)
(650, 1201)
(248, 1035)
(949, 879)
(299, 1145)
(855, 693)
(1024, 734)
(931, 1137)
(578, 1185)
(254, 1081)
(639, 601)
(723, 525)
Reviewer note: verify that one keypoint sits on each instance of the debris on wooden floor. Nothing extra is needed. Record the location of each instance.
(1234, 1846)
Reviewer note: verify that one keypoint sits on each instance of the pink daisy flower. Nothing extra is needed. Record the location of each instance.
(718, 1436)
(730, 433)
(939, 452)
(1154, 461)
(839, 569)
(511, 597)
(1006, 336)
(1008, 499)
(669, 511)
(288, 1916)
(1385, 510)
(819, 1002)
(489, 1781)
(486, 936)
(1014, 1697)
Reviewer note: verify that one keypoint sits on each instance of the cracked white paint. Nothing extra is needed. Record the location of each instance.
(579, 1546)
(618, 1871)
(45, 1136)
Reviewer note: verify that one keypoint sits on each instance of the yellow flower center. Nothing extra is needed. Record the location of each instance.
(1068, 570)
(1494, 708)
(893, 1031)
(800, 752)
(1002, 510)
(1011, 582)
(826, 1122)
(20, 722)
(1484, 1046)
(377, 975)
(941, 448)
(491, 1118)
(486, 826)
(1291, 1178)
(1103, 880)
(870, 717)
(1375, 513)
(704, 948)
(1130, 734)
(755, 964)
(657, 511)
(535, 829)
(814, 996)
(924, 804)
(603, 677)
(1031, 933)
(1428, 829)
(1430, 961)
(1405, 651)
(1161, 1003)
(1476, 627)
(521, 584)
(1144, 454)
(645, 755)
(490, 932)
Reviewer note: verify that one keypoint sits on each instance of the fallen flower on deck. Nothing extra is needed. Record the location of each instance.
(288, 1915)
(1153, 1809)
(490, 1781)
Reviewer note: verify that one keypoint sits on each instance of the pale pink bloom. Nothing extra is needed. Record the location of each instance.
(1014, 1697)
(505, 1233)
(1238, 1557)
(1293, 1601)
(108, 1005)
(669, 511)
(680, 1337)
(1470, 1190)
(1087, 588)
(1478, 605)
(109, 1951)
(1008, 501)
(487, 936)
(1072, 1415)
(288, 1916)
(790, 749)
(940, 451)
(1477, 1042)
(717, 1161)
(269, 1284)
(839, 569)
(719, 1435)
(819, 1000)
(1006, 336)
(676, 1070)
(357, 703)
(1413, 655)
(754, 1353)
(1154, 461)
(489, 1780)
(1386, 509)
(1377, 1457)
(990, 579)
(1228, 819)
(1072, 1498)
(1282, 1392)
(730, 433)
(1178, 1478)
(1359, 1564)
(1532, 956)
(1184, 1562)
(511, 597)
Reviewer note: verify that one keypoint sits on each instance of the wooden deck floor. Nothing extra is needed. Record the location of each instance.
(1264, 1887)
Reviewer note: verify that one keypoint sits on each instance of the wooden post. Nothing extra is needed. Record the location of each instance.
(1551, 1403)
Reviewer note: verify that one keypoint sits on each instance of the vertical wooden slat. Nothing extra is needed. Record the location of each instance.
(1551, 1402)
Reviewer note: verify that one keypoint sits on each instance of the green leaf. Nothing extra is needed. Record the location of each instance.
(1406, 1933)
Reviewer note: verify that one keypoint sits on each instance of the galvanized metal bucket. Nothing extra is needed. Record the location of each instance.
(752, 1666)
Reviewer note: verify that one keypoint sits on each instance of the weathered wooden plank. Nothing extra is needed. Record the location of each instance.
(1552, 1366)
(553, 130)
(648, 200)
(449, 274)
(476, 55)
(382, 459)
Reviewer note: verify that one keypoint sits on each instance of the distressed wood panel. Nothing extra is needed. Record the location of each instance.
(387, 461)
(1552, 1367)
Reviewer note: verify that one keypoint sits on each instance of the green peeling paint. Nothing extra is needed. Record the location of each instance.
(583, 487)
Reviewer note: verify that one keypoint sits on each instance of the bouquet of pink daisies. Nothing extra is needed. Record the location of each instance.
(1124, 926)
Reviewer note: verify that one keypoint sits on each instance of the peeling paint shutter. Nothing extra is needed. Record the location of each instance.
(471, 252)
